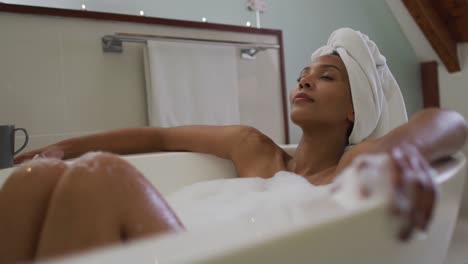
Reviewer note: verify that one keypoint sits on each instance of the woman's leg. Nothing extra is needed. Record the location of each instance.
(100, 200)
(24, 199)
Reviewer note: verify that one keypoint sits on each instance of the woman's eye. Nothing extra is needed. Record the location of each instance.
(327, 78)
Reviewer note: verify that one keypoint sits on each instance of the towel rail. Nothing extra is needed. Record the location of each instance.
(113, 43)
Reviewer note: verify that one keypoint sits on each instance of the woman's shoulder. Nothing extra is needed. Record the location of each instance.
(254, 139)
(258, 155)
(352, 151)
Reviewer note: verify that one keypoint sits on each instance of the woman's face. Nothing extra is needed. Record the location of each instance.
(322, 94)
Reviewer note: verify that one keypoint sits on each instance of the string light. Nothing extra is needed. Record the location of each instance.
(203, 19)
(142, 13)
(248, 24)
(83, 7)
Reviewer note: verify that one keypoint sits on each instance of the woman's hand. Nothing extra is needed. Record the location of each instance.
(429, 135)
(53, 151)
(414, 189)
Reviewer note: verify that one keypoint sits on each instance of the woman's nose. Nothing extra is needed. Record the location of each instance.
(304, 83)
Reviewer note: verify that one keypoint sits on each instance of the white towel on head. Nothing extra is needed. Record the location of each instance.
(377, 100)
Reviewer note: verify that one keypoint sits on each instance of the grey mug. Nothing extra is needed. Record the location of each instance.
(7, 144)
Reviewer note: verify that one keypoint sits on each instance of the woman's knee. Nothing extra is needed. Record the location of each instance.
(24, 199)
(99, 168)
(95, 175)
(35, 176)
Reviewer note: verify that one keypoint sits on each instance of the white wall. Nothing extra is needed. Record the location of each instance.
(454, 95)
(453, 88)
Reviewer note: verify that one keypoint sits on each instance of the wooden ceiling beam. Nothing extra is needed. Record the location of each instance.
(436, 31)
(459, 24)
(454, 13)
(444, 8)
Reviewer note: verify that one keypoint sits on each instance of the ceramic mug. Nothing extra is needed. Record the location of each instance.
(7, 144)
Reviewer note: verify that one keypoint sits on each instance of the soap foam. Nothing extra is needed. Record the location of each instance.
(244, 200)
(285, 199)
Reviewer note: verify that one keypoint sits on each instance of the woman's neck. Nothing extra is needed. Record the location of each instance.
(318, 152)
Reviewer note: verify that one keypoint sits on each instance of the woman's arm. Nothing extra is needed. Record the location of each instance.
(435, 133)
(217, 140)
(430, 135)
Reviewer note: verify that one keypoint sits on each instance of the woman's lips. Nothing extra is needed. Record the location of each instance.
(302, 98)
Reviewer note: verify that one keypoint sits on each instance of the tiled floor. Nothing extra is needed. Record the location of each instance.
(458, 251)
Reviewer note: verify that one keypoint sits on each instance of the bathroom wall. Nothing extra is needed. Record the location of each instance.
(306, 25)
(453, 95)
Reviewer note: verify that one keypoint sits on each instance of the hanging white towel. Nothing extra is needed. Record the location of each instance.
(377, 100)
(191, 84)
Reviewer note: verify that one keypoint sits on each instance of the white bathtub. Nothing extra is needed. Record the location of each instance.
(364, 235)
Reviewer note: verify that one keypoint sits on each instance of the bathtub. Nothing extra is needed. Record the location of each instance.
(364, 234)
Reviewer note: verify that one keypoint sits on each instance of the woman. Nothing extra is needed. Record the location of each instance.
(49, 208)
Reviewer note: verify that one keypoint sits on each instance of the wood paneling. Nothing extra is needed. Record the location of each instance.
(454, 13)
(430, 84)
(436, 31)
(460, 25)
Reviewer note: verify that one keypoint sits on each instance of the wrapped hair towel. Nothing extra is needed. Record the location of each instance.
(377, 100)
